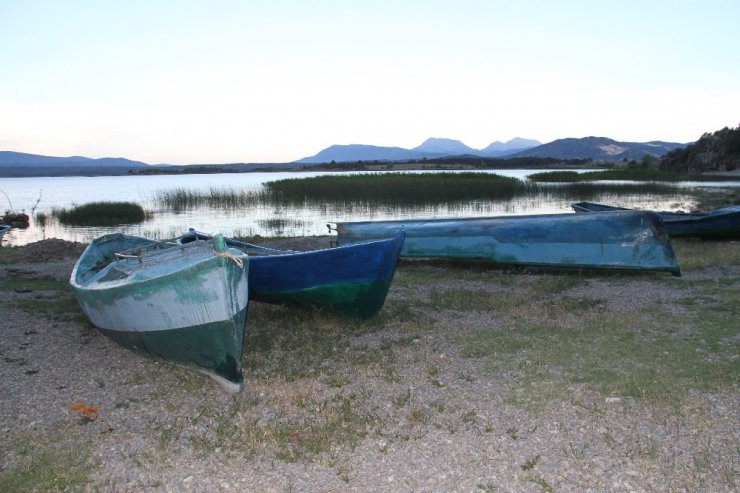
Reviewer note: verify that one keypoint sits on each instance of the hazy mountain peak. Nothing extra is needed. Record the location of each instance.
(433, 147)
(510, 145)
(598, 148)
(443, 146)
(341, 153)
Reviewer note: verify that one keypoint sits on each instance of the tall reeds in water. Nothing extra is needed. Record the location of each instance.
(402, 189)
(631, 174)
(216, 198)
(101, 214)
(409, 189)
(398, 190)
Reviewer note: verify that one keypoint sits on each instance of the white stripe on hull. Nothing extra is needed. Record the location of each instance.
(204, 300)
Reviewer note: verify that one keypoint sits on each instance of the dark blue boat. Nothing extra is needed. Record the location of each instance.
(717, 224)
(628, 240)
(352, 280)
(4, 228)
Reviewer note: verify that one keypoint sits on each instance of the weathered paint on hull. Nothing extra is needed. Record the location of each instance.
(352, 280)
(214, 348)
(183, 304)
(719, 224)
(629, 240)
(360, 299)
(709, 228)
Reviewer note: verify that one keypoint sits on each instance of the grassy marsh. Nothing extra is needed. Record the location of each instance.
(632, 174)
(100, 214)
(398, 190)
(405, 189)
(216, 198)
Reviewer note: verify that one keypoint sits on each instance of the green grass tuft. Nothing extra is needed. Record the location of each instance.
(101, 214)
(48, 465)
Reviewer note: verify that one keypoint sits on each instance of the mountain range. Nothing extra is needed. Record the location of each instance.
(8, 158)
(596, 148)
(23, 164)
(599, 149)
(429, 149)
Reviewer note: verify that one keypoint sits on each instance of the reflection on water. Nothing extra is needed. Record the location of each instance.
(263, 219)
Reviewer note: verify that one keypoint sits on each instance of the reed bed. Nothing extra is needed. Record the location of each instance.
(41, 219)
(217, 198)
(388, 191)
(609, 174)
(101, 214)
(280, 224)
(406, 189)
(588, 190)
(400, 188)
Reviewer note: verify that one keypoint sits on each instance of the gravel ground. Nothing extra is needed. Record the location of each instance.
(437, 422)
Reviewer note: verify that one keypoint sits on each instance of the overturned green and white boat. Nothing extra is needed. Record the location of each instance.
(628, 240)
(186, 304)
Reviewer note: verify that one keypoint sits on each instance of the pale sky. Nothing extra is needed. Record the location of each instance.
(221, 81)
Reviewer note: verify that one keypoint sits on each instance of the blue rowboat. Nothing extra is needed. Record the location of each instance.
(626, 240)
(186, 304)
(4, 228)
(352, 280)
(717, 224)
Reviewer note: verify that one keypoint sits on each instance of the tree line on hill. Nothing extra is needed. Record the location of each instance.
(717, 152)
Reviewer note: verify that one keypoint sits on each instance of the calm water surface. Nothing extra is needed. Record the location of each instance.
(59, 192)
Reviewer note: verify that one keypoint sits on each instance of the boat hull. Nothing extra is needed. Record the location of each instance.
(184, 305)
(718, 224)
(629, 240)
(352, 280)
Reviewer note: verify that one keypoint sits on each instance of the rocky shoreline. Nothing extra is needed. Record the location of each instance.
(406, 402)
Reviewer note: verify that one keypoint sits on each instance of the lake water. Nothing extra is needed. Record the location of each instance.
(23, 194)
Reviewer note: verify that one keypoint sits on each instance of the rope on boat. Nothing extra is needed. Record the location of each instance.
(230, 256)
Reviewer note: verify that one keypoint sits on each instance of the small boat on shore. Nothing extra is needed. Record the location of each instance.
(186, 304)
(352, 280)
(628, 240)
(717, 224)
(4, 228)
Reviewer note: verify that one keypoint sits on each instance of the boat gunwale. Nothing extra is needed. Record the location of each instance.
(94, 281)
(279, 252)
(232, 304)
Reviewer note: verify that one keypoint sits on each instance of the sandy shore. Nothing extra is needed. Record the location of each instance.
(402, 403)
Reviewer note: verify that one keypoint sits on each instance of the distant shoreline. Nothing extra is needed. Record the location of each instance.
(61, 171)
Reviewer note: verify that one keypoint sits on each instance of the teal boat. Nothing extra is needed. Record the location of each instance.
(4, 228)
(717, 224)
(186, 304)
(352, 280)
(628, 240)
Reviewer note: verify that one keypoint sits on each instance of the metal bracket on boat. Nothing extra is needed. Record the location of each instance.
(125, 256)
(332, 228)
(140, 252)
